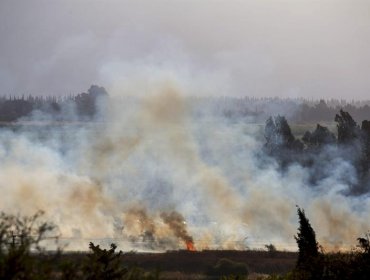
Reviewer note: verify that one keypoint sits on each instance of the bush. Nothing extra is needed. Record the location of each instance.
(21, 252)
(22, 255)
(271, 249)
(104, 264)
(108, 265)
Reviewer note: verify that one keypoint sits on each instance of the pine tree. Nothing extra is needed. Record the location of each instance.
(306, 240)
(310, 263)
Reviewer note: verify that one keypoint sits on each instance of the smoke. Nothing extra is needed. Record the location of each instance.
(178, 225)
(248, 42)
(153, 174)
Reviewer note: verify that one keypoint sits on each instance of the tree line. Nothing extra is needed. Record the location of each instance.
(23, 255)
(297, 110)
(84, 106)
(314, 264)
(320, 150)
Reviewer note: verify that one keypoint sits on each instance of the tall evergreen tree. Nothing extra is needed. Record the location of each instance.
(306, 240)
(348, 130)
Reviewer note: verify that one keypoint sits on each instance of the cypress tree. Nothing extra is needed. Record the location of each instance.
(306, 240)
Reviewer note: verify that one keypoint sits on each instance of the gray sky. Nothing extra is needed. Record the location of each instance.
(282, 48)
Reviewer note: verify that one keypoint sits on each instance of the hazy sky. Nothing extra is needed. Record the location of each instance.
(258, 48)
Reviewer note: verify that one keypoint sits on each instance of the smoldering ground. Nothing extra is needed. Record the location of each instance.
(124, 177)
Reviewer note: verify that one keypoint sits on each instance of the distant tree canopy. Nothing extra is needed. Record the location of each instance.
(251, 108)
(321, 111)
(87, 102)
(11, 110)
(319, 148)
(321, 136)
(348, 130)
(85, 105)
(294, 109)
(278, 133)
(280, 142)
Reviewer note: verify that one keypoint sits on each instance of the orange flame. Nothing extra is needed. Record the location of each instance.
(190, 246)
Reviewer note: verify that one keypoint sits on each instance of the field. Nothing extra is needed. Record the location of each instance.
(196, 265)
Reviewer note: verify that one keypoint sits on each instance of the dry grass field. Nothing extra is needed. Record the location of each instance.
(184, 264)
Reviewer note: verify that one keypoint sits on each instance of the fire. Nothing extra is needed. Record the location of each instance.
(190, 246)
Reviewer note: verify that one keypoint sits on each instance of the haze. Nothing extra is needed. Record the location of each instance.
(310, 49)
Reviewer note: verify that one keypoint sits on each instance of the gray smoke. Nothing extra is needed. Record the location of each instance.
(178, 225)
(258, 48)
(153, 155)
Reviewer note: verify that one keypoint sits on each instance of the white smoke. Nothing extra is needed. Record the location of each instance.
(153, 154)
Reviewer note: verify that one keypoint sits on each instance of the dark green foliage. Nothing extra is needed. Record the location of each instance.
(357, 141)
(364, 244)
(279, 135)
(348, 130)
(365, 152)
(321, 136)
(309, 260)
(346, 266)
(312, 264)
(23, 256)
(70, 270)
(271, 249)
(280, 142)
(109, 265)
(306, 239)
(11, 110)
(321, 148)
(360, 265)
(86, 103)
(104, 264)
(20, 242)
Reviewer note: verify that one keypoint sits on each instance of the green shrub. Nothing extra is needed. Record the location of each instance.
(108, 265)
(22, 255)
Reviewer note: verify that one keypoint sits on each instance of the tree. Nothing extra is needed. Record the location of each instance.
(355, 148)
(280, 141)
(108, 265)
(348, 130)
(321, 136)
(308, 262)
(278, 133)
(361, 261)
(271, 249)
(365, 161)
(87, 103)
(21, 250)
(306, 239)
(104, 264)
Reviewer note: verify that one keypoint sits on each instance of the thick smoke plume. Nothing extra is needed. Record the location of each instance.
(178, 225)
(153, 171)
